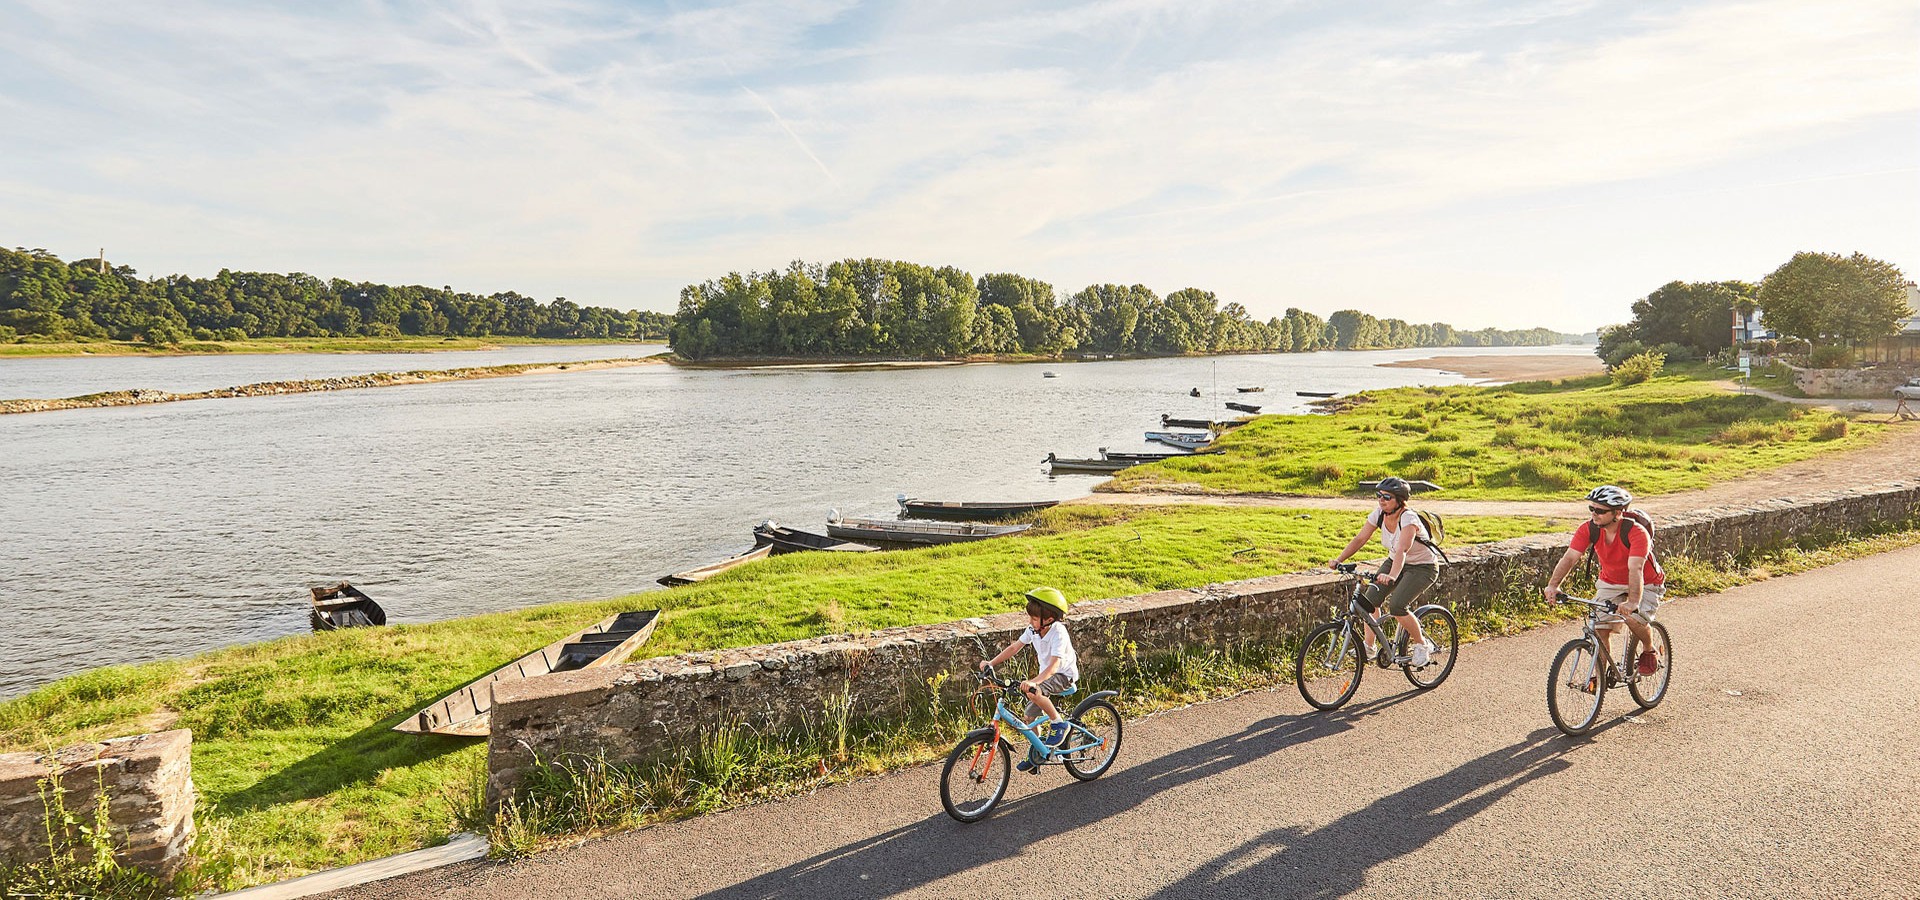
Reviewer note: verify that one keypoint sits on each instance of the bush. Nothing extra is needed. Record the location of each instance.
(233, 334)
(1677, 352)
(1794, 347)
(1831, 430)
(1638, 368)
(1327, 472)
(1831, 356)
(1623, 352)
(1751, 431)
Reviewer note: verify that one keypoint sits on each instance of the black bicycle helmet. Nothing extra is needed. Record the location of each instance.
(1395, 485)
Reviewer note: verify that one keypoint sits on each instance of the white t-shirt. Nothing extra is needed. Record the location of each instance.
(1418, 554)
(1054, 643)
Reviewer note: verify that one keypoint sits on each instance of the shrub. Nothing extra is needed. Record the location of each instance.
(1750, 431)
(1638, 368)
(1677, 352)
(1797, 348)
(1830, 430)
(8, 334)
(1623, 352)
(1831, 356)
(233, 334)
(1327, 472)
(1419, 453)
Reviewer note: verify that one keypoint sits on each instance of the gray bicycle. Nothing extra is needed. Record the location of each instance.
(1333, 656)
(1578, 680)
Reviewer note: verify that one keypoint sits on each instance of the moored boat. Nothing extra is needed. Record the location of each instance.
(1314, 393)
(1243, 407)
(970, 509)
(1060, 464)
(1250, 390)
(1209, 424)
(870, 530)
(344, 606)
(1139, 457)
(695, 576)
(1181, 438)
(467, 711)
(792, 540)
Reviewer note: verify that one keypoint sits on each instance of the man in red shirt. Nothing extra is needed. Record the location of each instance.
(1628, 573)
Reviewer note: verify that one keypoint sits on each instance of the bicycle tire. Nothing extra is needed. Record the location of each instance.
(1103, 719)
(1663, 679)
(998, 771)
(1571, 721)
(1444, 633)
(1321, 650)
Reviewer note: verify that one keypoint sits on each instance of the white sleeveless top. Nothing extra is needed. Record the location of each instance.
(1418, 554)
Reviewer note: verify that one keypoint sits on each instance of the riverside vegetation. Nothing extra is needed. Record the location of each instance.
(297, 768)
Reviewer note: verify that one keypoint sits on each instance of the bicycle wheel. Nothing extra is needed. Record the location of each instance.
(1444, 634)
(1649, 690)
(1576, 686)
(1103, 720)
(1328, 666)
(975, 776)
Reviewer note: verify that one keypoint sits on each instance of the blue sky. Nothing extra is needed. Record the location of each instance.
(1508, 164)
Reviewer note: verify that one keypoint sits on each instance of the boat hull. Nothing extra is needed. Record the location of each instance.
(467, 711)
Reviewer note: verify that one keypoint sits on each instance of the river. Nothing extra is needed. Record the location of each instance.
(148, 532)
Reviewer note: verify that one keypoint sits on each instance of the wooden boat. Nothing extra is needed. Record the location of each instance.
(466, 711)
(1048, 375)
(954, 509)
(695, 576)
(915, 532)
(1244, 407)
(1186, 439)
(1060, 464)
(1417, 487)
(1209, 424)
(792, 540)
(1139, 457)
(344, 606)
(1314, 393)
(1250, 390)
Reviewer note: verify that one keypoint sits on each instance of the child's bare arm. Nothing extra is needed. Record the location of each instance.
(1004, 655)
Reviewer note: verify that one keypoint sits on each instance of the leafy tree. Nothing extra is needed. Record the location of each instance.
(1825, 297)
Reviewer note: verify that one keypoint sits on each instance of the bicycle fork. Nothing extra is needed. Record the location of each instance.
(982, 765)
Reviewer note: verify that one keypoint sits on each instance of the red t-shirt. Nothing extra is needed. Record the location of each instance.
(1613, 555)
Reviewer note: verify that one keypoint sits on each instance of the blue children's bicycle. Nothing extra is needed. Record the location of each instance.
(977, 771)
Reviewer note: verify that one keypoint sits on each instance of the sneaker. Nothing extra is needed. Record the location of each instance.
(1422, 654)
(1649, 662)
(1058, 736)
(1030, 765)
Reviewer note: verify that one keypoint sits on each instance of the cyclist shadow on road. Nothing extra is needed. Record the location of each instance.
(1333, 860)
(937, 847)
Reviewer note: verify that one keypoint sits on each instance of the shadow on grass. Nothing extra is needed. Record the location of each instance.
(361, 757)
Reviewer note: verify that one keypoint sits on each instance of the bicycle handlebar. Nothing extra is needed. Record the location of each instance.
(1589, 601)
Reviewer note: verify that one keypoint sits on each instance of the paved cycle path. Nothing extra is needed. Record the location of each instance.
(1782, 764)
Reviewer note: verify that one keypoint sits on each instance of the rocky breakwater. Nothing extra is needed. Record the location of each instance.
(148, 784)
(139, 397)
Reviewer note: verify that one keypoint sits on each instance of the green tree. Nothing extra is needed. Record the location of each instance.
(1825, 297)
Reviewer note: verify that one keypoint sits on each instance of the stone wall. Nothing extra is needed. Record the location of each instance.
(1875, 382)
(149, 784)
(633, 712)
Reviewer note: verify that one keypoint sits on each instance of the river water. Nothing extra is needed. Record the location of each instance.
(147, 532)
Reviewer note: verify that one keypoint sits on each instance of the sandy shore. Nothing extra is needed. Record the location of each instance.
(1535, 367)
(139, 397)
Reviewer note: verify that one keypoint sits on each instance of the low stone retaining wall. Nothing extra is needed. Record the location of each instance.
(1876, 382)
(633, 712)
(149, 786)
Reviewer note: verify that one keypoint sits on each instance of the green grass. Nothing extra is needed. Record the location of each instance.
(297, 768)
(414, 344)
(1529, 441)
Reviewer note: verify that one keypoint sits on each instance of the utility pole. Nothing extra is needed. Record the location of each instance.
(103, 260)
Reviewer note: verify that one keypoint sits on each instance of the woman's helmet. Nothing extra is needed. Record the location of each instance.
(1608, 495)
(1047, 596)
(1395, 485)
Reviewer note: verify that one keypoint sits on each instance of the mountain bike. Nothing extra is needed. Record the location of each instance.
(977, 771)
(1332, 658)
(1577, 686)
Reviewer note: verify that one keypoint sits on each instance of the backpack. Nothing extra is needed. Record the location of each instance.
(1631, 518)
(1436, 532)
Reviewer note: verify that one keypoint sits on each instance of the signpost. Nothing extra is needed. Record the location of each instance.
(1746, 370)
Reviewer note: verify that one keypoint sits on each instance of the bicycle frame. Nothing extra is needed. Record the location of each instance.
(1079, 738)
(1591, 635)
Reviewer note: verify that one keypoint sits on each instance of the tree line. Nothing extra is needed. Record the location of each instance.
(45, 298)
(1815, 301)
(888, 308)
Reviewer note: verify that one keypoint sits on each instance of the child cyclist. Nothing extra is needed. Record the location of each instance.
(1059, 667)
(1411, 567)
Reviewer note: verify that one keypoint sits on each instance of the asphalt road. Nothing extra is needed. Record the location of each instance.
(1785, 762)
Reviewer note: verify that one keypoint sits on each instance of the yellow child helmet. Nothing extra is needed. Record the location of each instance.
(1047, 596)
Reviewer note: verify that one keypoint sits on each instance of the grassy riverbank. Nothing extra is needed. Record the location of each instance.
(297, 769)
(415, 344)
(1531, 441)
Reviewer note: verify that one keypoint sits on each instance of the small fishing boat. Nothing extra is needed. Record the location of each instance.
(344, 606)
(1048, 375)
(1417, 487)
(793, 540)
(695, 576)
(1059, 465)
(1243, 407)
(1190, 440)
(1139, 457)
(1314, 393)
(1250, 390)
(871, 530)
(953, 509)
(467, 712)
(1172, 422)
(1194, 393)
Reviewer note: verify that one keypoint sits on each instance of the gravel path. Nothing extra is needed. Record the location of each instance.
(1780, 765)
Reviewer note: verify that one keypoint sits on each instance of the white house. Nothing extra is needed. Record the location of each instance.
(1911, 324)
(1748, 327)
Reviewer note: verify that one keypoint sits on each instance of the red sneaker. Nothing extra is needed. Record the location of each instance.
(1649, 662)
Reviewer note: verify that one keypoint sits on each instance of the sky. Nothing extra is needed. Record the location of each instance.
(1512, 164)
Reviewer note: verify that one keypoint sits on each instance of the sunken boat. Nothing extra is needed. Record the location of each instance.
(344, 606)
(467, 712)
(792, 540)
(970, 509)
